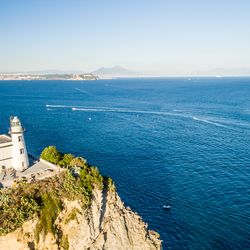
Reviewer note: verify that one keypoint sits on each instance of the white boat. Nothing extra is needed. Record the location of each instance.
(167, 206)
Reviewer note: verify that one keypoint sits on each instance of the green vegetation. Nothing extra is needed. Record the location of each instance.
(43, 199)
(64, 242)
(78, 162)
(65, 160)
(15, 210)
(157, 235)
(109, 184)
(52, 205)
(72, 215)
(51, 154)
(90, 176)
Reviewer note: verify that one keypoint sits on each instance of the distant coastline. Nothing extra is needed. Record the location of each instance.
(95, 76)
(27, 76)
(118, 72)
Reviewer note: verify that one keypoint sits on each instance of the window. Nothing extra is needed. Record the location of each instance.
(15, 124)
(20, 138)
(22, 164)
(21, 151)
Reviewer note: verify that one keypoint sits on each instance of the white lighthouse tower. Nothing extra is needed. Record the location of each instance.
(20, 159)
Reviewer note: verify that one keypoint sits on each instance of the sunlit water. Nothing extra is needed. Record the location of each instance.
(177, 142)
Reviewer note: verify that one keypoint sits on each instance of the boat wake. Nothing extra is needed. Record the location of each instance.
(207, 120)
(118, 110)
(58, 106)
(82, 91)
(210, 122)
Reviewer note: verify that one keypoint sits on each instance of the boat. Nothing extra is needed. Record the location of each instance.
(166, 206)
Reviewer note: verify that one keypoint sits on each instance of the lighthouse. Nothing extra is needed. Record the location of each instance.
(20, 159)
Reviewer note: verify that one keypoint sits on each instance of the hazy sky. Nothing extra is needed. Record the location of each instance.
(156, 35)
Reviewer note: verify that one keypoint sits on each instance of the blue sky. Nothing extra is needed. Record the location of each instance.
(159, 36)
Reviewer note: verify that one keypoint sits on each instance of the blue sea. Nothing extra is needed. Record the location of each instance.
(164, 141)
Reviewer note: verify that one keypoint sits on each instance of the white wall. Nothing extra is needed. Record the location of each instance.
(20, 160)
(6, 155)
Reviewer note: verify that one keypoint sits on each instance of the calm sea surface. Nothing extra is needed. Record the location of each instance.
(173, 141)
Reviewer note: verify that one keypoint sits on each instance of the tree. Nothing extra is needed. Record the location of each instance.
(51, 154)
(78, 162)
(66, 160)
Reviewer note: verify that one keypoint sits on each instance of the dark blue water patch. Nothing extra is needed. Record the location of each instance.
(164, 141)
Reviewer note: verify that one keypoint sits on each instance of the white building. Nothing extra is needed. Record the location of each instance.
(13, 152)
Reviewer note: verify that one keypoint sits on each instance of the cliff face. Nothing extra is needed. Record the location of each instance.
(106, 224)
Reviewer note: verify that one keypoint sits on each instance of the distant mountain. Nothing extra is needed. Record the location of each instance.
(114, 71)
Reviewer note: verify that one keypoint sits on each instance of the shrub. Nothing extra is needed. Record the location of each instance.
(78, 162)
(109, 184)
(66, 160)
(72, 215)
(51, 154)
(14, 210)
(90, 178)
(52, 205)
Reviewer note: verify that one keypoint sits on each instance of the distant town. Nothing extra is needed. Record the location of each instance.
(102, 73)
(27, 76)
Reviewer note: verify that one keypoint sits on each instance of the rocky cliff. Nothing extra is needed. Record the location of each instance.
(105, 224)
